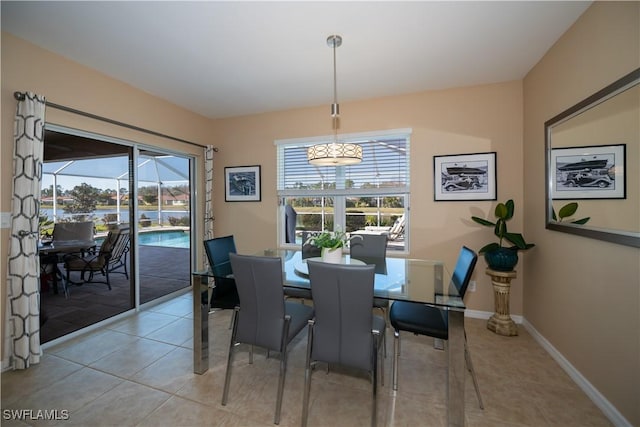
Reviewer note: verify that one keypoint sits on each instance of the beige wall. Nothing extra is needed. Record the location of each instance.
(464, 120)
(583, 295)
(26, 67)
(580, 294)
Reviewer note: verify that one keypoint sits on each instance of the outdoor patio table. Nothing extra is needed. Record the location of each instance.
(51, 253)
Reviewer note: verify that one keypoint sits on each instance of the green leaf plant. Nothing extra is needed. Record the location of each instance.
(503, 213)
(330, 239)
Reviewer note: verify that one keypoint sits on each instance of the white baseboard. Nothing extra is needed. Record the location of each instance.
(476, 314)
(616, 418)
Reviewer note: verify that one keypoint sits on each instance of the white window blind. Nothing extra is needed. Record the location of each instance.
(383, 170)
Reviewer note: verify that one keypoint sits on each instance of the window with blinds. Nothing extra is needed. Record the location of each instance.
(370, 197)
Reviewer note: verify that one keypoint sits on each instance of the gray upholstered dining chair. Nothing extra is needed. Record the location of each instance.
(432, 321)
(372, 249)
(263, 318)
(344, 331)
(308, 251)
(369, 246)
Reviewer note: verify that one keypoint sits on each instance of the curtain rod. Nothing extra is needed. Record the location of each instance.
(20, 96)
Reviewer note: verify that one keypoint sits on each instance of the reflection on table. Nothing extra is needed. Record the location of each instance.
(422, 281)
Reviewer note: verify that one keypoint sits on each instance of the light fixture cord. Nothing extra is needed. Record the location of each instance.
(335, 107)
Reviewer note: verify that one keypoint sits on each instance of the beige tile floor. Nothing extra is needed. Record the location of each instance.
(139, 372)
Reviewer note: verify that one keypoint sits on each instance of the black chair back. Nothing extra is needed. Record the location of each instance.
(219, 248)
(463, 270)
(225, 294)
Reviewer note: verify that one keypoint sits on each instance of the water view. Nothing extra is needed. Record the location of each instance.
(99, 214)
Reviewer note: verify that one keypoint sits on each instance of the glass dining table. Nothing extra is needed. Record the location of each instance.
(417, 280)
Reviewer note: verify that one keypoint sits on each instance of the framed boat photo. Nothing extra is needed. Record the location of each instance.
(242, 184)
(462, 177)
(590, 172)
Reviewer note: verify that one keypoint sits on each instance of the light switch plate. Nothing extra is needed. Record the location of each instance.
(472, 286)
(5, 219)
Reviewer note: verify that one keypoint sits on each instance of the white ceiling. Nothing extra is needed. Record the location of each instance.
(223, 59)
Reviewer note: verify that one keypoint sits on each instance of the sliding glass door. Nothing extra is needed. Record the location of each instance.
(120, 187)
(163, 219)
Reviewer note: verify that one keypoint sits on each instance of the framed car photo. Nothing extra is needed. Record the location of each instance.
(593, 172)
(462, 177)
(242, 184)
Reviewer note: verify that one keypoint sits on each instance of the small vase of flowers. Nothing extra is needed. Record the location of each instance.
(331, 243)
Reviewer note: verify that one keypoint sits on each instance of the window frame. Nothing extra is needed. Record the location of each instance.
(340, 195)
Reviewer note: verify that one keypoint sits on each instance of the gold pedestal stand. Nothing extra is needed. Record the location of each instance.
(501, 322)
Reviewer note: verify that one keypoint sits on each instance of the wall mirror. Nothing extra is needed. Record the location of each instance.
(593, 158)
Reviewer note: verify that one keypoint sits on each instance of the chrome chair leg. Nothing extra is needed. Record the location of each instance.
(227, 378)
(386, 320)
(467, 356)
(396, 353)
(374, 406)
(384, 340)
(283, 369)
(307, 376)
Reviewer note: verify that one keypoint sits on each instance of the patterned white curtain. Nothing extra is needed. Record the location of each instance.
(208, 195)
(23, 277)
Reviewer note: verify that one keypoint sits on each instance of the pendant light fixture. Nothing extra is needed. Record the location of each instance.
(334, 153)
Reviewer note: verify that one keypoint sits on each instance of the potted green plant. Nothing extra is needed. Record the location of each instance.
(331, 243)
(498, 256)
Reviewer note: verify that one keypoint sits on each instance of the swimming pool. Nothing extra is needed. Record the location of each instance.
(166, 238)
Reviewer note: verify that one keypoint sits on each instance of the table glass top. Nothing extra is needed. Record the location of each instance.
(424, 281)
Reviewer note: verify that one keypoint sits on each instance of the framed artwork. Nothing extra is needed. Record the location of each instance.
(461, 177)
(594, 172)
(242, 184)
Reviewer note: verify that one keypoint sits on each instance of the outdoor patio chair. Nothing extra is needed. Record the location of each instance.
(397, 230)
(394, 232)
(82, 231)
(111, 256)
